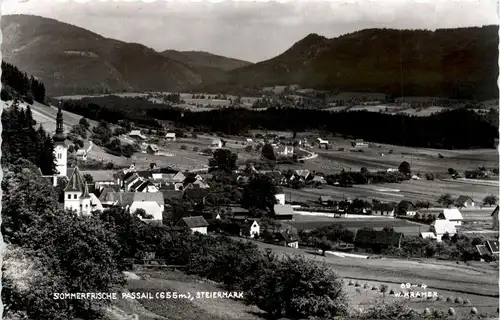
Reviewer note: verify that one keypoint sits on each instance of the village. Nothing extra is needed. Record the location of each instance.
(151, 192)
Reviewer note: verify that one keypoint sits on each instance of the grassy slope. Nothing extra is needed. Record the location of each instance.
(180, 309)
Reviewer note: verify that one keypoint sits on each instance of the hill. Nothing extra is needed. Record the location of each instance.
(453, 63)
(201, 59)
(212, 68)
(69, 59)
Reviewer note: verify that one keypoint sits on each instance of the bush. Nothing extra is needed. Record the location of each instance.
(183, 147)
(451, 311)
(459, 300)
(357, 284)
(195, 149)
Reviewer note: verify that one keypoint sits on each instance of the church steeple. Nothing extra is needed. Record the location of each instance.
(59, 136)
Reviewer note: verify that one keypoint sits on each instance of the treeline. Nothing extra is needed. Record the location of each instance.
(17, 84)
(20, 140)
(113, 108)
(460, 128)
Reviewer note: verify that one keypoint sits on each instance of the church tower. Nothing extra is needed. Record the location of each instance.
(60, 148)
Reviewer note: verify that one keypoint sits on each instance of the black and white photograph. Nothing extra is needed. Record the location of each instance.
(250, 160)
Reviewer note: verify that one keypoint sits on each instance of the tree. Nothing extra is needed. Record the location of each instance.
(490, 200)
(223, 160)
(388, 229)
(429, 176)
(452, 171)
(248, 148)
(405, 168)
(363, 170)
(324, 245)
(88, 178)
(445, 200)
(268, 152)
(259, 193)
(283, 289)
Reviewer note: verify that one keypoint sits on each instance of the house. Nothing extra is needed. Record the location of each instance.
(493, 246)
(152, 203)
(79, 197)
(325, 200)
(318, 180)
(453, 215)
(136, 134)
(81, 154)
(280, 197)
(147, 186)
(238, 212)
(383, 209)
(464, 202)
(196, 224)
(303, 174)
(376, 241)
(101, 177)
(287, 239)
(441, 227)
(197, 195)
(170, 136)
(152, 149)
(323, 143)
(130, 179)
(216, 143)
(428, 235)
(283, 212)
(494, 217)
(358, 143)
(248, 228)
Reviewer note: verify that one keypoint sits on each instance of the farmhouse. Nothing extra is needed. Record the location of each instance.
(152, 149)
(464, 202)
(101, 177)
(195, 224)
(283, 212)
(81, 154)
(383, 209)
(318, 180)
(280, 198)
(322, 143)
(136, 134)
(170, 136)
(494, 217)
(216, 143)
(248, 228)
(152, 203)
(358, 143)
(452, 215)
(376, 241)
(287, 239)
(440, 227)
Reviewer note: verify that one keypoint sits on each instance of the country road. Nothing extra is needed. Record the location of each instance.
(458, 279)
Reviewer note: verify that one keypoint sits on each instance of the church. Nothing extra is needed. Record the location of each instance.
(76, 194)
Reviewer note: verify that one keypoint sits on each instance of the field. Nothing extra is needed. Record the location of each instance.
(46, 116)
(478, 283)
(182, 309)
(408, 228)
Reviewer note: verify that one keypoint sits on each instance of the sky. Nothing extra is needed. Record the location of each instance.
(251, 31)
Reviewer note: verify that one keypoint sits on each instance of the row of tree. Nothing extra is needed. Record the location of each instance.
(21, 140)
(17, 84)
(458, 128)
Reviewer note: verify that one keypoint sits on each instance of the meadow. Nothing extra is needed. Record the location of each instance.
(479, 284)
(182, 309)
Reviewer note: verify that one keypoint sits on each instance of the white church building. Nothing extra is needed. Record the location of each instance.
(76, 194)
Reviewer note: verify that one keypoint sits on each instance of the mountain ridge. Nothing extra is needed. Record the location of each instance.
(73, 60)
(433, 63)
